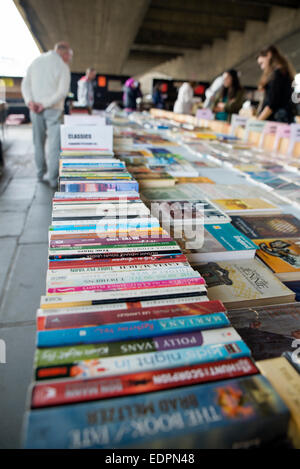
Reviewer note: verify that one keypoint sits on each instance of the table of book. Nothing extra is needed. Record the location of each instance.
(146, 340)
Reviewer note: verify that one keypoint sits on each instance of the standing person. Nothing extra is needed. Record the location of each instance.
(184, 101)
(276, 82)
(44, 89)
(129, 95)
(212, 91)
(157, 96)
(230, 98)
(85, 89)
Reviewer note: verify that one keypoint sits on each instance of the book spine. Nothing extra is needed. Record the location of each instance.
(128, 286)
(70, 273)
(118, 253)
(56, 244)
(111, 366)
(132, 305)
(131, 330)
(154, 259)
(71, 355)
(64, 392)
(135, 313)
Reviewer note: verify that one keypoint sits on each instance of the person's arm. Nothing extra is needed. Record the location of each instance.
(26, 87)
(62, 89)
(265, 113)
(273, 96)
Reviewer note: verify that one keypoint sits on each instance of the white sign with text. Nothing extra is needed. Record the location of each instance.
(87, 137)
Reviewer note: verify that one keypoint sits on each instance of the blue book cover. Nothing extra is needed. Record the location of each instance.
(237, 413)
(130, 330)
(130, 224)
(230, 238)
(95, 163)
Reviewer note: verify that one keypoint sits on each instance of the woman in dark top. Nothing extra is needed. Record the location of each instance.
(276, 82)
(230, 98)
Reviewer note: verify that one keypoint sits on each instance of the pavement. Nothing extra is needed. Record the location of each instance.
(25, 214)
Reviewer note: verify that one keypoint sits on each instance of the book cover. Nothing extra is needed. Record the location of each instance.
(282, 256)
(221, 242)
(227, 414)
(241, 205)
(243, 283)
(268, 226)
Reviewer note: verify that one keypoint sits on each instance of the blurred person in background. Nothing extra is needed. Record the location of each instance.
(184, 101)
(211, 92)
(130, 95)
(158, 97)
(86, 88)
(229, 99)
(44, 90)
(276, 83)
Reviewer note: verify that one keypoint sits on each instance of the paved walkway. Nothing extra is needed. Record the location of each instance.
(25, 213)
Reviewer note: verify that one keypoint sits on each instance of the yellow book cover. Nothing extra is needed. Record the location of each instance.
(197, 179)
(281, 255)
(244, 204)
(286, 381)
(205, 136)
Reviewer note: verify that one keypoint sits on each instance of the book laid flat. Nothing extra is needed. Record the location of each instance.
(243, 283)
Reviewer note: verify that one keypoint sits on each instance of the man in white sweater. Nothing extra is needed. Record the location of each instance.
(44, 89)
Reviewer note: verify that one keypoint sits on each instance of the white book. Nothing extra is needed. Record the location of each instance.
(87, 298)
(122, 306)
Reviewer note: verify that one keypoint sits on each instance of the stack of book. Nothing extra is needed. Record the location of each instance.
(133, 350)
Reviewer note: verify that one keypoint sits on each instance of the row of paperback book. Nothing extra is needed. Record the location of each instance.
(135, 346)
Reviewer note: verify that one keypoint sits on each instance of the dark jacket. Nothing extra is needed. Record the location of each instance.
(278, 96)
(233, 105)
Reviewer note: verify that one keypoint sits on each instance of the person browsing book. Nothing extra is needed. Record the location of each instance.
(44, 89)
(229, 100)
(184, 101)
(85, 89)
(276, 83)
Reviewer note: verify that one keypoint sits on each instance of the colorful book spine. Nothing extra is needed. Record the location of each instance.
(154, 259)
(63, 392)
(99, 186)
(90, 316)
(111, 366)
(226, 414)
(128, 286)
(131, 330)
(70, 355)
(101, 298)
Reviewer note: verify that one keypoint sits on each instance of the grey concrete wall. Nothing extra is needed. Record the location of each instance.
(240, 48)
